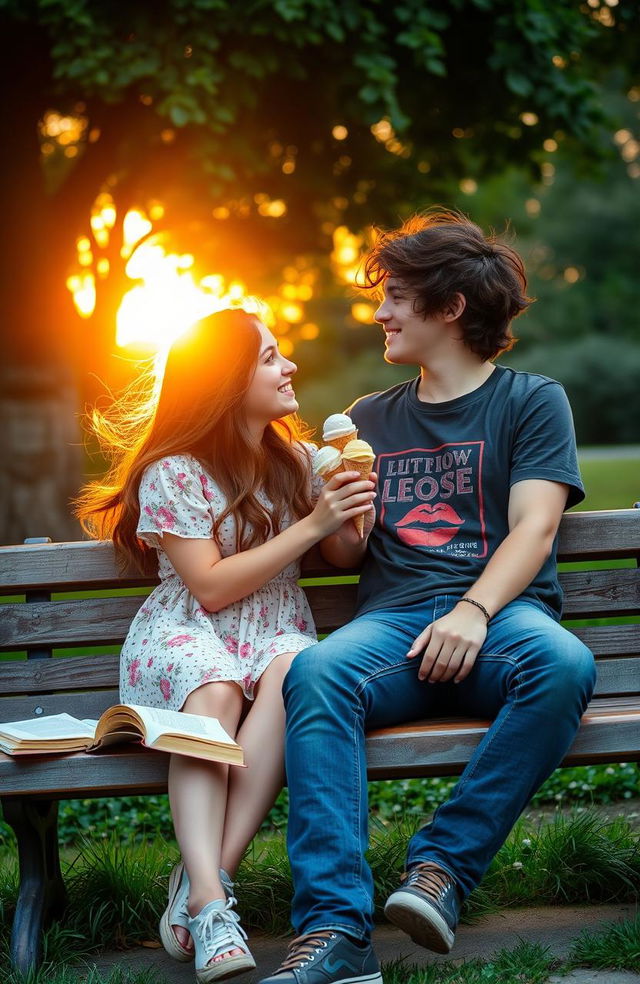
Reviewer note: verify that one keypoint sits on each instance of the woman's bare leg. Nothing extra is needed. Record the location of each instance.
(198, 800)
(252, 791)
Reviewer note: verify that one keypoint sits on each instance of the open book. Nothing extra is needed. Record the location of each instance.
(156, 727)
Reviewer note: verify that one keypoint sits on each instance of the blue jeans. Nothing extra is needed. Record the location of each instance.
(533, 678)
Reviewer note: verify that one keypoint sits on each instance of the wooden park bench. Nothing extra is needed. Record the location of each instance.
(42, 618)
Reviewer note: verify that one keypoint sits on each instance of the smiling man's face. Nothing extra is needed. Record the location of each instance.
(408, 334)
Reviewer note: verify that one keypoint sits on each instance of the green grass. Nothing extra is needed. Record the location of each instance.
(610, 483)
(615, 947)
(117, 890)
(526, 963)
(51, 973)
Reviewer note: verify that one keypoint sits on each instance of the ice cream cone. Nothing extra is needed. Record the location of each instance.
(328, 462)
(358, 456)
(338, 430)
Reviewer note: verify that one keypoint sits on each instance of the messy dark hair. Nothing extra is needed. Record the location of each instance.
(440, 253)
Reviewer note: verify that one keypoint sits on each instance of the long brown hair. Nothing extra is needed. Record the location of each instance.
(197, 410)
(441, 252)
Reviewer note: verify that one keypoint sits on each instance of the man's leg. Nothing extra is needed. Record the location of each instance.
(534, 678)
(359, 677)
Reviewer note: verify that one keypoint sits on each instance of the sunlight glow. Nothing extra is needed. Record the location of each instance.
(168, 295)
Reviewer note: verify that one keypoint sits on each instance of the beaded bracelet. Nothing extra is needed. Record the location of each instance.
(484, 611)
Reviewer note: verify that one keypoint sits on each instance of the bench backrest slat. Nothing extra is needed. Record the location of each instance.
(604, 533)
(583, 535)
(89, 704)
(80, 675)
(95, 621)
(610, 640)
(599, 593)
(85, 684)
(74, 673)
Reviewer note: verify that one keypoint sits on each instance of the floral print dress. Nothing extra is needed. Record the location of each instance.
(175, 645)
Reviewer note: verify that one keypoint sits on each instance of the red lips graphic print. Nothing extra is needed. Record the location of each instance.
(431, 498)
(418, 528)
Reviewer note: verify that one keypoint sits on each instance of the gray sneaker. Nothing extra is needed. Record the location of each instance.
(426, 906)
(326, 957)
(177, 913)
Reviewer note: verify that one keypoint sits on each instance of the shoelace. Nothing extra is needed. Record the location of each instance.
(221, 931)
(303, 948)
(429, 878)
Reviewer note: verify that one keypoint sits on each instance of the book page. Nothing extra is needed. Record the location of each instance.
(159, 720)
(49, 728)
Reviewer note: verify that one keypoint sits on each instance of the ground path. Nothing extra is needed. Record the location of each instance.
(556, 927)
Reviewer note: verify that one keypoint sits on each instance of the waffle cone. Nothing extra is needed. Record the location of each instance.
(362, 467)
(358, 522)
(341, 442)
(329, 475)
(364, 470)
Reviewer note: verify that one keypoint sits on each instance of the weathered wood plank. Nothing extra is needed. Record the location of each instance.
(75, 673)
(440, 747)
(616, 676)
(600, 593)
(89, 704)
(82, 621)
(64, 566)
(93, 621)
(105, 621)
(126, 770)
(610, 640)
(599, 534)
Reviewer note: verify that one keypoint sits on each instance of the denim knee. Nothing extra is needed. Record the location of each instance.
(565, 671)
(312, 675)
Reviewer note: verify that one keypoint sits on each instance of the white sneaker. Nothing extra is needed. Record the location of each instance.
(216, 930)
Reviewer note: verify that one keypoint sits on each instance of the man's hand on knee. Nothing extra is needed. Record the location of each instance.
(450, 645)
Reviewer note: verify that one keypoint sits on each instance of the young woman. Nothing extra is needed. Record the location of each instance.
(211, 484)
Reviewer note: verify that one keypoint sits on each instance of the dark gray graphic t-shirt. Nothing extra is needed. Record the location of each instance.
(445, 471)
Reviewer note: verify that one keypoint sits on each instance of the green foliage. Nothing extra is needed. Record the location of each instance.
(140, 818)
(53, 973)
(223, 72)
(117, 889)
(569, 860)
(616, 947)
(612, 484)
(600, 374)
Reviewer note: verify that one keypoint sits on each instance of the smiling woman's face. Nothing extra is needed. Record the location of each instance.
(270, 394)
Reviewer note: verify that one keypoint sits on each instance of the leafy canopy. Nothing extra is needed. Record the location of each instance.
(248, 94)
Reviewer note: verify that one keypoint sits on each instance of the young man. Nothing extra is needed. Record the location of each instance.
(458, 603)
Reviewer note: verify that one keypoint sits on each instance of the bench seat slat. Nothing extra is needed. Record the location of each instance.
(440, 747)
